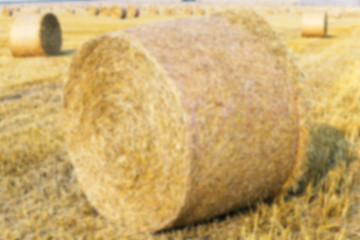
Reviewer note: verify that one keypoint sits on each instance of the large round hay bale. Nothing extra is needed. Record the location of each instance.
(132, 12)
(33, 34)
(118, 12)
(166, 127)
(314, 24)
(7, 12)
(93, 11)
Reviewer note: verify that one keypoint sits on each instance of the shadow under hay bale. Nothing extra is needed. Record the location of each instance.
(162, 141)
(66, 52)
(35, 35)
(328, 148)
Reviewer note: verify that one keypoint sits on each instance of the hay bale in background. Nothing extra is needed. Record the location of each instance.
(71, 11)
(160, 141)
(132, 12)
(169, 11)
(200, 11)
(7, 12)
(32, 35)
(154, 11)
(37, 11)
(314, 24)
(104, 11)
(93, 11)
(118, 12)
(189, 11)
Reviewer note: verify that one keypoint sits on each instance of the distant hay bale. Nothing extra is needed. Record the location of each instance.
(71, 11)
(104, 11)
(200, 11)
(169, 11)
(189, 11)
(314, 24)
(33, 35)
(118, 12)
(154, 11)
(7, 12)
(132, 12)
(159, 141)
(37, 11)
(93, 11)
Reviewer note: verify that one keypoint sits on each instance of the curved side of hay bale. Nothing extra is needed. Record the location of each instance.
(132, 12)
(33, 35)
(314, 24)
(177, 128)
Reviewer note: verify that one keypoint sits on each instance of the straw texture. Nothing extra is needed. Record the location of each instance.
(314, 24)
(33, 35)
(168, 123)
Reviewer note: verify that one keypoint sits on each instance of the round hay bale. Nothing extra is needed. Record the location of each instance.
(104, 11)
(200, 11)
(33, 34)
(132, 12)
(93, 11)
(7, 12)
(169, 11)
(314, 24)
(71, 11)
(166, 127)
(154, 11)
(189, 11)
(118, 12)
(37, 11)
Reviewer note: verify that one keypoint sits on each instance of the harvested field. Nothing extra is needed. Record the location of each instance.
(41, 198)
